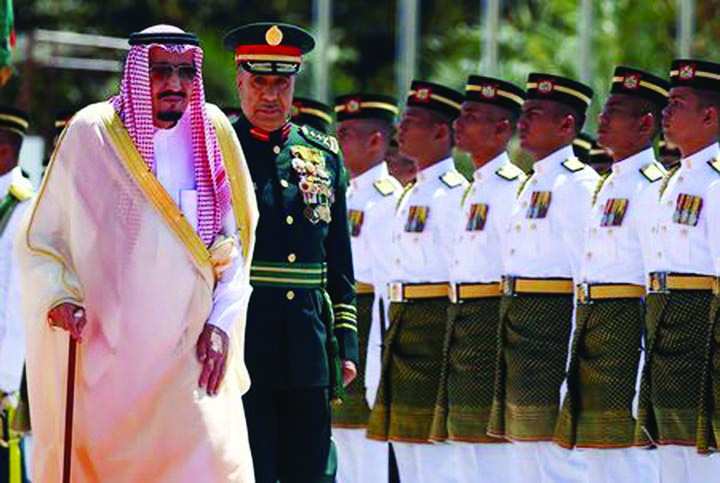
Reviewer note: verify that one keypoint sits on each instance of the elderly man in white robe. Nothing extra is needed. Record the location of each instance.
(139, 248)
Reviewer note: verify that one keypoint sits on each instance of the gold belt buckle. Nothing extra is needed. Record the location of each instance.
(508, 285)
(583, 293)
(395, 292)
(658, 282)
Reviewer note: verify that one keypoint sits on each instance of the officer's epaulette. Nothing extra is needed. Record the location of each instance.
(319, 139)
(573, 165)
(452, 179)
(599, 186)
(671, 172)
(715, 164)
(653, 171)
(385, 186)
(21, 189)
(509, 172)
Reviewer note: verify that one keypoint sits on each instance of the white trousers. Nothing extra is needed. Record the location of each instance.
(360, 460)
(627, 465)
(484, 463)
(544, 462)
(681, 464)
(427, 463)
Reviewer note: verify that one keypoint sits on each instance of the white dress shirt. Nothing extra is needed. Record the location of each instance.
(681, 233)
(371, 199)
(544, 240)
(619, 220)
(423, 243)
(477, 253)
(12, 330)
(175, 170)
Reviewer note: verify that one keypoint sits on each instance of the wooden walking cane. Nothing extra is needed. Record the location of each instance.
(69, 404)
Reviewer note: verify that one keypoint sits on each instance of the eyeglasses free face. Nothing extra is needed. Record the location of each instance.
(162, 71)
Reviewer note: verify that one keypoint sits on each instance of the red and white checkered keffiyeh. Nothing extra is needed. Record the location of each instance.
(134, 106)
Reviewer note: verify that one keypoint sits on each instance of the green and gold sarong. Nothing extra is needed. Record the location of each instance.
(465, 394)
(602, 374)
(708, 423)
(677, 325)
(534, 337)
(410, 375)
(354, 411)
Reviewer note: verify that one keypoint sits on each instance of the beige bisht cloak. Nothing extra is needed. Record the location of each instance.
(104, 234)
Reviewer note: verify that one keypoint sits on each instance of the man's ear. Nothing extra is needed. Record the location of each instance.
(647, 123)
(710, 117)
(567, 125)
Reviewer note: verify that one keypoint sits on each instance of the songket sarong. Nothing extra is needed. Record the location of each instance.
(534, 338)
(354, 411)
(465, 394)
(602, 374)
(708, 429)
(671, 381)
(410, 373)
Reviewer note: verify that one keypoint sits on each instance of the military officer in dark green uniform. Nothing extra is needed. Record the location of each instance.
(302, 323)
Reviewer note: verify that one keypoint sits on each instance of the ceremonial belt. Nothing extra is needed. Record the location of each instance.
(403, 292)
(586, 293)
(468, 291)
(666, 282)
(362, 288)
(546, 286)
(288, 275)
(716, 286)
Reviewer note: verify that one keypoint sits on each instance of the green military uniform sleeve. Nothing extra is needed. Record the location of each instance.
(341, 280)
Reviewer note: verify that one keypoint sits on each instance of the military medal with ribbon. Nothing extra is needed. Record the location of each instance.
(315, 183)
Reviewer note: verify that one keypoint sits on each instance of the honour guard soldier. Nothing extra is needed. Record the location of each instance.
(423, 231)
(312, 113)
(16, 192)
(301, 330)
(680, 280)
(486, 125)
(542, 253)
(364, 129)
(602, 377)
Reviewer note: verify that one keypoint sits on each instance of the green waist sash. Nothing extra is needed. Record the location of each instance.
(288, 275)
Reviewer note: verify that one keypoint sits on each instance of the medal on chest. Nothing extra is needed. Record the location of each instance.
(417, 218)
(539, 204)
(315, 183)
(687, 209)
(614, 212)
(477, 217)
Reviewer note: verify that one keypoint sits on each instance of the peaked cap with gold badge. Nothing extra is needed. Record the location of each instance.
(309, 112)
(554, 88)
(14, 120)
(488, 90)
(435, 97)
(269, 48)
(696, 74)
(365, 106)
(637, 83)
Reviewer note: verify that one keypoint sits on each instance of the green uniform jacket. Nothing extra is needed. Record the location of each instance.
(287, 329)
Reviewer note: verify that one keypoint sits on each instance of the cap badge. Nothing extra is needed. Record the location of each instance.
(631, 81)
(353, 105)
(274, 35)
(488, 91)
(423, 94)
(687, 71)
(545, 87)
